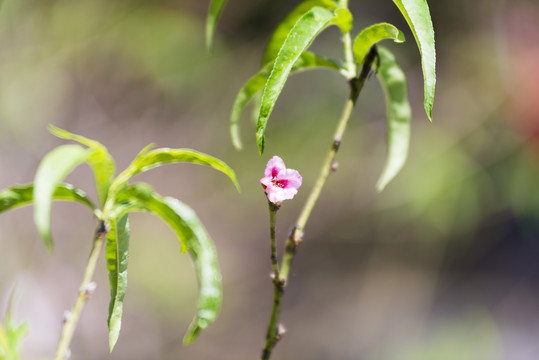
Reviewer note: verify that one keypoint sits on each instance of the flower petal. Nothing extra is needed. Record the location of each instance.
(293, 177)
(274, 166)
(266, 181)
(276, 194)
(273, 194)
(289, 193)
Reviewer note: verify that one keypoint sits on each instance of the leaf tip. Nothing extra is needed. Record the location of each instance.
(114, 332)
(209, 36)
(188, 339)
(194, 330)
(235, 136)
(260, 141)
(47, 239)
(112, 343)
(237, 184)
(400, 37)
(237, 145)
(56, 131)
(428, 110)
(381, 185)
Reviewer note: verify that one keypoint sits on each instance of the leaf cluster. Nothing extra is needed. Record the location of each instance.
(117, 198)
(286, 53)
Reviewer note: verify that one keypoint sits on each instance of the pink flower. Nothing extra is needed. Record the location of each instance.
(279, 182)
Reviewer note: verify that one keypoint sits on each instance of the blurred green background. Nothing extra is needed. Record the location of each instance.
(442, 265)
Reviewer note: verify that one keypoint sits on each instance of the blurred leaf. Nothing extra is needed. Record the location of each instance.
(299, 39)
(11, 335)
(373, 34)
(216, 7)
(417, 14)
(22, 195)
(100, 161)
(307, 61)
(246, 93)
(398, 115)
(466, 336)
(4, 344)
(192, 236)
(54, 167)
(158, 44)
(147, 160)
(117, 259)
(281, 32)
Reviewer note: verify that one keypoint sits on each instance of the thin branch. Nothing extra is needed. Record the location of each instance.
(274, 263)
(86, 289)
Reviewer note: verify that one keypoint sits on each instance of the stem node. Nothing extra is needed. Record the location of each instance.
(281, 330)
(337, 142)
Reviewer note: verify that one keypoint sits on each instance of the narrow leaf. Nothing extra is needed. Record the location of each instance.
(192, 235)
(417, 14)
(373, 34)
(307, 61)
(5, 348)
(15, 333)
(281, 32)
(22, 195)
(204, 256)
(54, 167)
(216, 7)
(117, 251)
(100, 161)
(158, 157)
(299, 39)
(11, 335)
(398, 115)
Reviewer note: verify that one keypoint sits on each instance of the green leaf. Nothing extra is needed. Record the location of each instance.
(307, 61)
(216, 7)
(54, 167)
(147, 160)
(281, 32)
(117, 251)
(398, 115)
(343, 19)
(299, 39)
(22, 195)
(204, 256)
(141, 197)
(192, 236)
(11, 335)
(100, 161)
(4, 343)
(373, 34)
(417, 14)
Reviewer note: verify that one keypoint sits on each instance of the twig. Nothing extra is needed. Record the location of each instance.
(86, 289)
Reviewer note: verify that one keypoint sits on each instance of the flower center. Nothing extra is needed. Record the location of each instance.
(279, 183)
